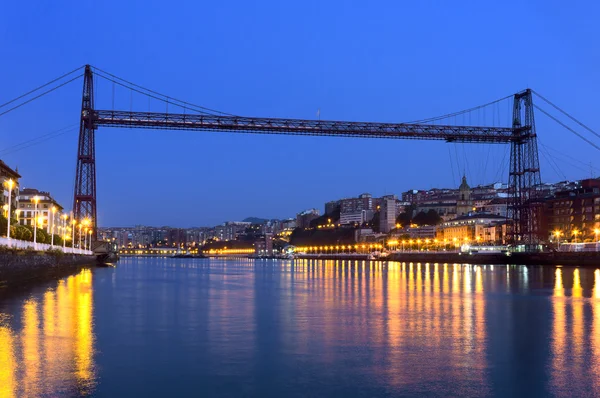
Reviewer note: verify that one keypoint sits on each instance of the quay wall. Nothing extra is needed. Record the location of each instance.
(17, 268)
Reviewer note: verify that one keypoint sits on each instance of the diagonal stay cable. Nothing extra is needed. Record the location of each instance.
(566, 114)
(38, 138)
(567, 127)
(37, 141)
(40, 95)
(40, 87)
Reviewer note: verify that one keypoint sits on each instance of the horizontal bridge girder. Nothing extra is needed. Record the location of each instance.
(174, 121)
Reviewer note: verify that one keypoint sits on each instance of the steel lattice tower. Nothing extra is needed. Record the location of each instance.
(524, 180)
(84, 200)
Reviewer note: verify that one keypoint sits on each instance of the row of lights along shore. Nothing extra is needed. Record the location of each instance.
(66, 230)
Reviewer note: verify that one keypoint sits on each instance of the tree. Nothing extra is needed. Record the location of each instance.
(57, 240)
(375, 221)
(406, 218)
(429, 218)
(334, 216)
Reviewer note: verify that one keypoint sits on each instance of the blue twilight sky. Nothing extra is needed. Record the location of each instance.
(389, 61)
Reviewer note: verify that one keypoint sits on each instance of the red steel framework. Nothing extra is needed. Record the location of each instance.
(524, 173)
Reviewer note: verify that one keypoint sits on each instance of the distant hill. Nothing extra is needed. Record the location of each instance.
(255, 220)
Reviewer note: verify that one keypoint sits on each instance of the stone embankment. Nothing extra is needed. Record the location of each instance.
(21, 267)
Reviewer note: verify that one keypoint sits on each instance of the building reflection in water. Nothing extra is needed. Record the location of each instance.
(423, 325)
(47, 345)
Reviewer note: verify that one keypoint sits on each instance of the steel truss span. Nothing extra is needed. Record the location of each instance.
(236, 124)
(524, 173)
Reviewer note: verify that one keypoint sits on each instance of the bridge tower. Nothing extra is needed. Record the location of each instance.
(84, 199)
(524, 180)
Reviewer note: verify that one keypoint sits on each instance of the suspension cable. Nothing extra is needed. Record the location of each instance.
(159, 94)
(40, 87)
(139, 91)
(567, 127)
(38, 140)
(566, 114)
(40, 95)
(459, 112)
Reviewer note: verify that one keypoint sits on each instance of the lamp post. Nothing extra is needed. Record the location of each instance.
(64, 230)
(596, 232)
(74, 224)
(575, 233)
(35, 200)
(80, 226)
(52, 227)
(9, 184)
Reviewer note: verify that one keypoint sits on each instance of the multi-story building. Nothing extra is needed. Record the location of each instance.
(387, 214)
(358, 217)
(48, 212)
(331, 206)
(472, 228)
(264, 245)
(497, 206)
(356, 210)
(6, 174)
(414, 196)
(304, 218)
(420, 232)
(288, 224)
(573, 214)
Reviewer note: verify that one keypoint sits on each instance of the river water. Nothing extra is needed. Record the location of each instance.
(233, 328)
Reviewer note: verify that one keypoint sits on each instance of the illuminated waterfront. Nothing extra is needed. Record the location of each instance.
(215, 327)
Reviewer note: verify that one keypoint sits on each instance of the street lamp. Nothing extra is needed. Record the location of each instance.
(575, 233)
(557, 234)
(52, 227)
(90, 240)
(74, 224)
(36, 200)
(80, 226)
(64, 230)
(596, 232)
(9, 184)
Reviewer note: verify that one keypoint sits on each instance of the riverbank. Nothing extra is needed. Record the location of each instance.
(21, 267)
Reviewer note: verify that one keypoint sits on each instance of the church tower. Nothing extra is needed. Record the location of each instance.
(464, 204)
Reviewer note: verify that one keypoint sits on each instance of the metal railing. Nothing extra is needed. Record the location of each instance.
(23, 244)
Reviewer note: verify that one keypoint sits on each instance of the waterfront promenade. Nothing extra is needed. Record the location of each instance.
(26, 245)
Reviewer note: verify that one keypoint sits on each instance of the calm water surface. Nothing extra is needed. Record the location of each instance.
(235, 328)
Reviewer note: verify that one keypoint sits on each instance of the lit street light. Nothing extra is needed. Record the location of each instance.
(35, 200)
(596, 232)
(80, 226)
(52, 227)
(74, 224)
(64, 230)
(9, 184)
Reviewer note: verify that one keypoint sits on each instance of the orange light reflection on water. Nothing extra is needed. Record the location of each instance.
(55, 344)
